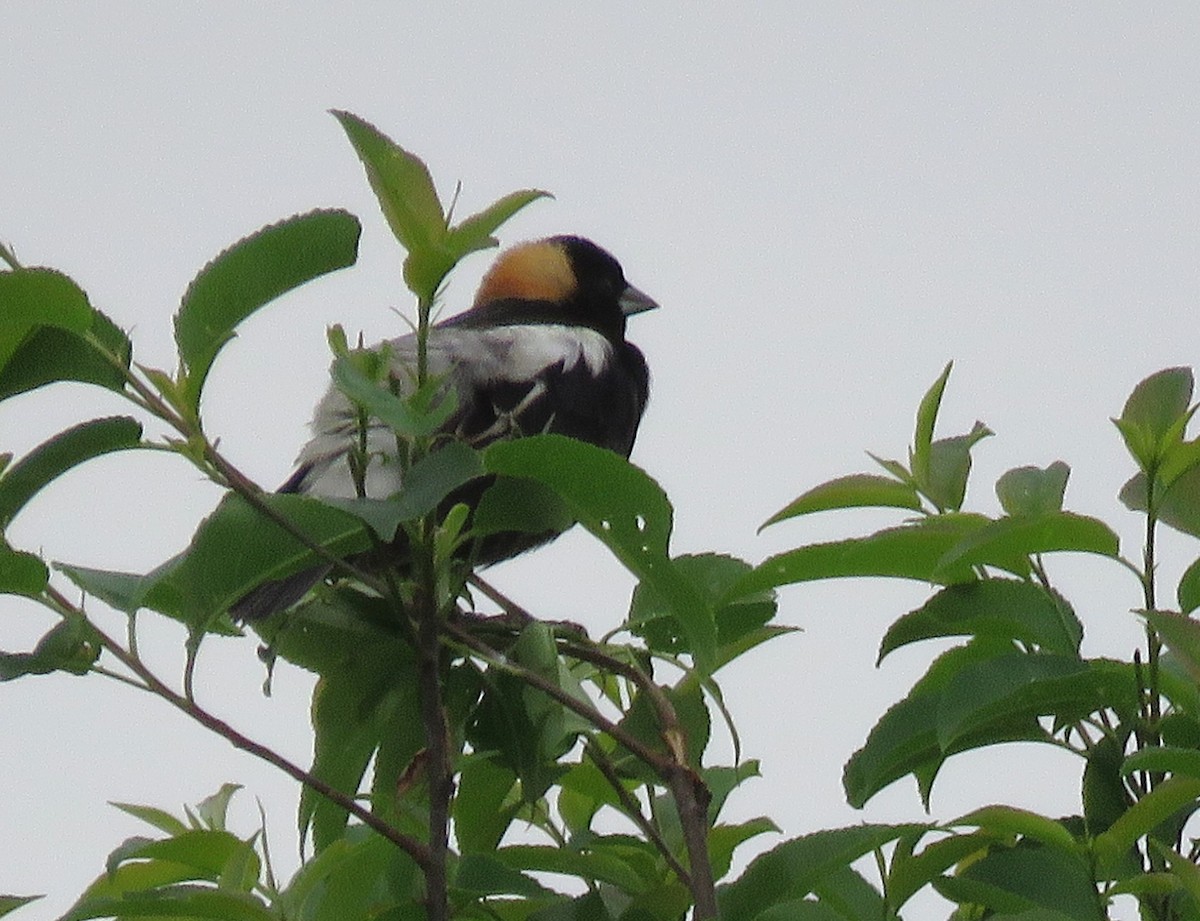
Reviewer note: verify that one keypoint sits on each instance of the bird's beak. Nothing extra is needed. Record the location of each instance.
(634, 301)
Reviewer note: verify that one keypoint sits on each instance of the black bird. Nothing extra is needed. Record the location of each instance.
(542, 349)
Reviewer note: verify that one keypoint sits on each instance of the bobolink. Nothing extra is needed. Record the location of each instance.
(542, 349)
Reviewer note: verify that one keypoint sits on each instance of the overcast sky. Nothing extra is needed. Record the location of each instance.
(829, 202)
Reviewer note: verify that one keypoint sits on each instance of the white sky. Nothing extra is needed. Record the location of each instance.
(829, 202)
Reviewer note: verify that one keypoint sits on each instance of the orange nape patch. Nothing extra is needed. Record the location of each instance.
(538, 271)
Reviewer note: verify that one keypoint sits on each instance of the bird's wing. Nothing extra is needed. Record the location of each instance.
(508, 381)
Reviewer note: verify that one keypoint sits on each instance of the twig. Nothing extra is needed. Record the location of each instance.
(439, 771)
(688, 789)
(233, 478)
(586, 710)
(510, 607)
(692, 799)
(414, 848)
(633, 809)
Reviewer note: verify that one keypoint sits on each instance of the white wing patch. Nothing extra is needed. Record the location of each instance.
(532, 349)
(471, 359)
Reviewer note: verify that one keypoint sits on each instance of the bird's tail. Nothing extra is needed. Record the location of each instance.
(276, 595)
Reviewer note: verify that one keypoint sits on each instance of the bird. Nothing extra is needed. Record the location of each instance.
(541, 349)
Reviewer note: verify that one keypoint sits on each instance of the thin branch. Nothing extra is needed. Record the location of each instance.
(232, 478)
(152, 683)
(668, 719)
(633, 809)
(439, 771)
(510, 607)
(687, 787)
(655, 760)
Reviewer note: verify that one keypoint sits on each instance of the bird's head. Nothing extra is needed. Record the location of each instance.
(568, 275)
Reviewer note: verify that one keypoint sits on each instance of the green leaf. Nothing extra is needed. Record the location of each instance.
(800, 910)
(206, 853)
(1029, 881)
(1004, 821)
(642, 722)
(11, 903)
(526, 728)
(895, 468)
(71, 646)
(401, 182)
(1165, 760)
(858, 490)
(54, 457)
(21, 573)
(153, 816)
(237, 548)
(1177, 506)
(906, 739)
(359, 876)
(252, 273)
(49, 353)
(909, 552)
(625, 509)
(191, 902)
(1188, 592)
(1183, 869)
(1178, 458)
(408, 198)
(1173, 795)
(132, 879)
(426, 484)
(475, 232)
(1153, 411)
(723, 840)
(524, 506)
(714, 574)
(353, 720)
(722, 781)
(120, 590)
(34, 298)
(950, 467)
(484, 806)
(482, 874)
(927, 414)
(1019, 685)
(435, 476)
(365, 704)
(1009, 542)
(910, 873)
(793, 869)
(1182, 636)
(406, 193)
(583, 790)
(401, 413)
(999, 608)
(213, 810)
(848, 892)
(902, 742)
(1105, 797)
(1033, 490)
(596, 864)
